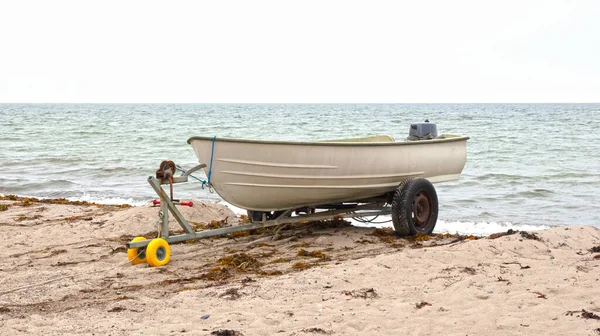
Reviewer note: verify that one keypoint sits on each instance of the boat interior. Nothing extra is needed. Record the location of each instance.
(376, 138)
(387, 138)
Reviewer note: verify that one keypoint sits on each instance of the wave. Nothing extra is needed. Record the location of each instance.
(444, 226)
(502, 176)
(45, 161)
(91, 199)
(483, 228)
(535, 193)
(471, 227)
(25, 187)
(554, 176)
(109, 200)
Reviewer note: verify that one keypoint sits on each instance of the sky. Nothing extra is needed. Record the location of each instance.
(306, 51)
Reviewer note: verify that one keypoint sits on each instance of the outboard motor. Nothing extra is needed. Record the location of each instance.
(422, 131)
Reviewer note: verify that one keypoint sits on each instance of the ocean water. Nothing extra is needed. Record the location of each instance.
(529, 166)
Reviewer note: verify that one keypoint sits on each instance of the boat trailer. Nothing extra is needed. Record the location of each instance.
(156, 252)
(413, 208)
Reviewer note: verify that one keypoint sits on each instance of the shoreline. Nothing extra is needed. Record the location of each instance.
(320, 278)
(477, 228)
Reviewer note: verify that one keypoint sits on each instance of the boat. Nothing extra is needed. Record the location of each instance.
(264, 175)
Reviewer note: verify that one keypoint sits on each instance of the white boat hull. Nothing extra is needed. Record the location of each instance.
(277, 175)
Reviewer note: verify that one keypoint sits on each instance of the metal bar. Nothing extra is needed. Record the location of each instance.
(190, 171)
(178, 179)
(207, 233)
(166, 201)
(265, 224)
(164, 229)
(379, 207)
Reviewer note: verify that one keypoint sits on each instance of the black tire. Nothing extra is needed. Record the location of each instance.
(414, 207)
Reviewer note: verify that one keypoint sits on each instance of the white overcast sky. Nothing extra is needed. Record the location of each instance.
(299, 51)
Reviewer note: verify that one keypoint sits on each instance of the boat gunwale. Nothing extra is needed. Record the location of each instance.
(325, 143)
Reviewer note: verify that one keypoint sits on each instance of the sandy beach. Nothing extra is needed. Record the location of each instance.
(64, 271)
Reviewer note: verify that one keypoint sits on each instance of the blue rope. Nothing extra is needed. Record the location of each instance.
(201, 180)
(212, 153)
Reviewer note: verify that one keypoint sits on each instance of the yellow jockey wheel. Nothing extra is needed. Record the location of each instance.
(158, 252)
(137, 255)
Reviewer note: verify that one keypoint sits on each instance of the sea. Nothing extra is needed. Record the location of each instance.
(529, 166)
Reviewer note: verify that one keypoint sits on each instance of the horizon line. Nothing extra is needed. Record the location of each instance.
(287, 103)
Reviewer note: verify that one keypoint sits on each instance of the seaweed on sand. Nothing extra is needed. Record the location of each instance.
(420, 237)
(302, 244)
(388, 236)
(584, 314)
(336, 222)
(226, 332)
(502, 234)
(366, 293)
(240, 261)
(231, 294)
(364, 241)
(214, 224)
(528, 235)
(270, 273)
(313, 254)
(27, 201)
(238, 234)
(589, 315)
(281, 260)
(422, 304)
(77, 218)
(303, 265)
(469, 270)
(315, 330)
(385, 232)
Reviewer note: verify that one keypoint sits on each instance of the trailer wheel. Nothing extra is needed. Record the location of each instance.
(137, 255)
(158, 252)
(414, 207)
